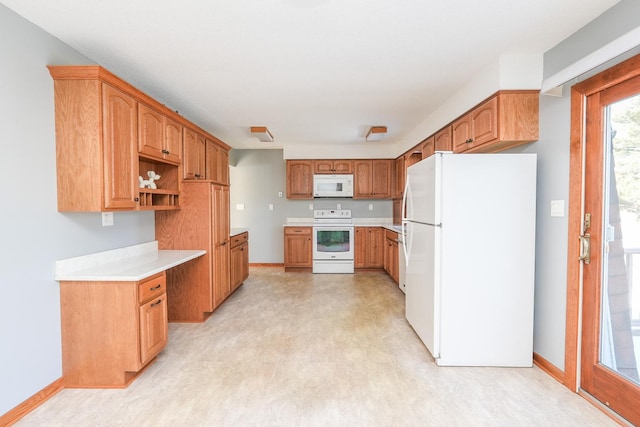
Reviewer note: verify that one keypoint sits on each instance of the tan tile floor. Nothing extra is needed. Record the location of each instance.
(299, 349)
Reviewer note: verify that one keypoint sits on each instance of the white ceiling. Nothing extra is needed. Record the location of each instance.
(312, 71)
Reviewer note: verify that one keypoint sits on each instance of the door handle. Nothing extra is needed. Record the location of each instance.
(585, 248)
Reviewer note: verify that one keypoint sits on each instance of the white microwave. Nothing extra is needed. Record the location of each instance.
(340, 186)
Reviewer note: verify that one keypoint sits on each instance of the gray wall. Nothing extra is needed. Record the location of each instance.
(613, 23)
(34, 234)
(256, 178)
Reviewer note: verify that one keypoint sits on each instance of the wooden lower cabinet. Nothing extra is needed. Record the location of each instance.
(298, 248)
(391, 260)
(199, 287)
(111, 330)
(369, 247)
(239, 259)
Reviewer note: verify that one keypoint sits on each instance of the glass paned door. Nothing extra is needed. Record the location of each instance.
(610, 344)
(620, 290)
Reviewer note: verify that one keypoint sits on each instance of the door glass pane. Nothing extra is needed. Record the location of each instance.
(333, 241)
(620, 319)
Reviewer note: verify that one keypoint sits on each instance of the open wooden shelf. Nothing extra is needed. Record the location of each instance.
(158, 199)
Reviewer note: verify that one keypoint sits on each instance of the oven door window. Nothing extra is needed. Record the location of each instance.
(333, 241)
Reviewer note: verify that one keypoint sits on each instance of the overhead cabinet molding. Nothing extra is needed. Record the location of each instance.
(108, 136)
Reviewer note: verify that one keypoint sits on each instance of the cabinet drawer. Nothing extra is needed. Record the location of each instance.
(297, 230)
(239, 239)
(391, 235)
(152, 287)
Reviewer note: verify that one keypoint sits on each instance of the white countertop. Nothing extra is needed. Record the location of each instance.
(128, 264)
(237, 230)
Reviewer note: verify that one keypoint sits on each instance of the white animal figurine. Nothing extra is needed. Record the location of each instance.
(152, 178)
(143, 183)
(149, 183)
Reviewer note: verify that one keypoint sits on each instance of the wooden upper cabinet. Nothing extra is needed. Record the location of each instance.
(372, 179)
(120, 154)
(333, 166)
(300, 179)
(194, 155)
(109, 135)
(507, 119)
(172, 141)
(216, 163)
(159, 137)
(398, 187)
(442, 139)
(427, 147)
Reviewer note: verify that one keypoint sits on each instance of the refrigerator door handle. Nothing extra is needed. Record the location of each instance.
(406, 199)
(407, 239)
(406, 247)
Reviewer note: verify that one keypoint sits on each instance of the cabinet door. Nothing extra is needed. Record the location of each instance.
(172, 148)
(235, 271)
(120, 149)
(461, 133)
(150, 131)
(360, 250)
(342, 166)
(485, 122)
(153, 327)
(297, 247)
(428, 147)
(400, 175)
(375, 247)
(211, 160)
(443, 140)
(299, 179)
(323, 166)
(194, 153)
(221, 228)
(223, 167)
(381, 179)
(244, 248)
(221, 279)
(362, 179)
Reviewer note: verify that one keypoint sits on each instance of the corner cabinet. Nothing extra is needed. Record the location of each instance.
(508, 119)
(111, 330)
(299, 179)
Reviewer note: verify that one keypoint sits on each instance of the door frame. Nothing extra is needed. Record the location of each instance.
(579, 93)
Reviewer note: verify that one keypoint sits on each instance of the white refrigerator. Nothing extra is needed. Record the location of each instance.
(469, 229)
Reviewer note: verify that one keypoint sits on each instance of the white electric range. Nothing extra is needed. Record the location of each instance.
(333, 241)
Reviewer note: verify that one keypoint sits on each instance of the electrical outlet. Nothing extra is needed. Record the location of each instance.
(310, 206)
(107, 219)
(270, 206)
(370, 206)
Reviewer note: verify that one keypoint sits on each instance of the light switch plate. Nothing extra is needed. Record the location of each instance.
(270, 206)
(557, 208)
(239, 206)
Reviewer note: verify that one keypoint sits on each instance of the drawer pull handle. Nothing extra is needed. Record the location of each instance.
(155, 288)
(156, 303)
